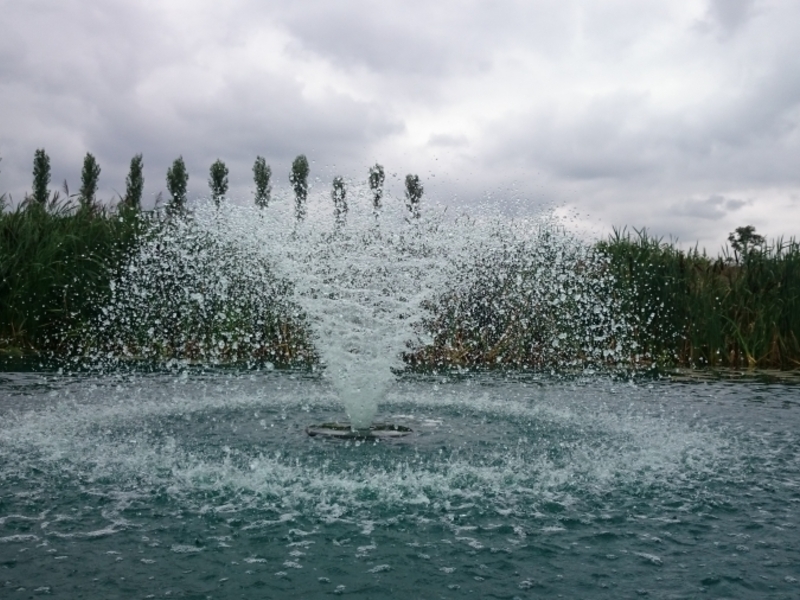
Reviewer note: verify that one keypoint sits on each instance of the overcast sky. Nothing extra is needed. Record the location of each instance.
(682, 116)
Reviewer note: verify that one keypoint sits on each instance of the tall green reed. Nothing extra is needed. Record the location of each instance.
(54, 258)
(690, 309)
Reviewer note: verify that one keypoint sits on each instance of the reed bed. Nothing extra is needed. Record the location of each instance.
(691, 310)
(631, 299)
(54, 258)
(190, 295)
(66, 293)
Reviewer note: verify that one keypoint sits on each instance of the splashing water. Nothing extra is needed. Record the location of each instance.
(231, 283)
(205, 482)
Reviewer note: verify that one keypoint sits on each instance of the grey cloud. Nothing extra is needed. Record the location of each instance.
(604, 142)
(731, 15)
(421, 38)
(448, 140)
(109, 98)
(733, 205)
(714, 207)
(53, 48)
(739, 137)
(121, 76)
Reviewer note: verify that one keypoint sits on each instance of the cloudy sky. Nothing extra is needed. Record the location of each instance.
(680, 116)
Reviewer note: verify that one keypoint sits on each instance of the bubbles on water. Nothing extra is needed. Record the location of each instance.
(505, 469)
(499, 452)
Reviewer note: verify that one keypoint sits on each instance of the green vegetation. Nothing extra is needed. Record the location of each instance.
(536, 303)
(299, 180)
(177, 182)
(526, 305)
(218, 181)
(689, 309)
(192, 294)
(90, 178)
(134, 184)
(339, 197)
(262, 173)
(53, 261)
(41, 177)
(414, 191)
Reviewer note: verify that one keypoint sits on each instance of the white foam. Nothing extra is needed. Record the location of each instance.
(574, 441)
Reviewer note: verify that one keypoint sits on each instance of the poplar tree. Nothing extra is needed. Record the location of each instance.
(414, 191)
(376, 179)
(218, 181)
(339, 196)
(134, 183)
(90, 177)
(299, 180)
(262, 175)
(177, 181)
(41, 177)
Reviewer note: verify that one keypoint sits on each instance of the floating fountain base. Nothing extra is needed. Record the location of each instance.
(376, 431)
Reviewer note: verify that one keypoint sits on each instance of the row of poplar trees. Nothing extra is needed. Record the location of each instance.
(178, 180)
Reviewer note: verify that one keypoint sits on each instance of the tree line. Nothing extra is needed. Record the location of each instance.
(218, 181)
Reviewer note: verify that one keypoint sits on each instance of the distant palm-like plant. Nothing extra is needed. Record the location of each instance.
(376, 179)
(177, 182)
(218, 181)
(90, 177)
(299, 180)
(414, 191)
(262, 173)
(339, 196)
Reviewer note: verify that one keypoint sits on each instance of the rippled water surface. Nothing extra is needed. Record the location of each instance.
(206, 486)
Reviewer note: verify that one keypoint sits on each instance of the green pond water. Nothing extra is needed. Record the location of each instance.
(205, 485)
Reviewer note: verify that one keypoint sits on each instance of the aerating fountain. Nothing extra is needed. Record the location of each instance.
(177, 457)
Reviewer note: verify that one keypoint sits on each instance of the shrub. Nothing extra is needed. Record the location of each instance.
(134, 184)
(41, 177)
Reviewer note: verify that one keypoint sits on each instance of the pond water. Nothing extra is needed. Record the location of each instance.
(205, 485)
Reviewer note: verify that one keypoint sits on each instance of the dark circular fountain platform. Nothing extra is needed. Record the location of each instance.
(376, 431)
